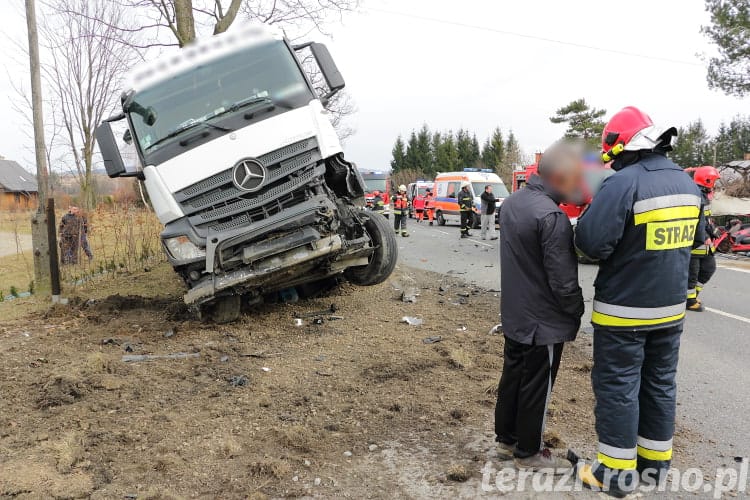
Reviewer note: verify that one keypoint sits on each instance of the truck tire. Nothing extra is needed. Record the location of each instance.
(440, 218)
(224, 309)
(383, 260)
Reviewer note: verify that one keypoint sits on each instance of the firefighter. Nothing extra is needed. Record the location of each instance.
(378, 205)
(641, 227)
(465, 206)
(400, 211)
(429, 205)
(702, 260)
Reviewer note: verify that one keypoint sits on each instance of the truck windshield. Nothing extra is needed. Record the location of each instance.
(375, 185)
(498, 189)
(259, 75)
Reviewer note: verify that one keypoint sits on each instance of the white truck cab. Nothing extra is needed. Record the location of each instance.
(245, 170)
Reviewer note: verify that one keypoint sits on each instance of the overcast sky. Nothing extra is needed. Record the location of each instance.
(455, 64)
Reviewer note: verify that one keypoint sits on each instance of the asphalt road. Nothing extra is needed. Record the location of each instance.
(714, 372)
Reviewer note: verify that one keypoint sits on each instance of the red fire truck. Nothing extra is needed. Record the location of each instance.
(377, 180)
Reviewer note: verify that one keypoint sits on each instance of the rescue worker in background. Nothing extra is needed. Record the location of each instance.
(543, 307)
(489, 206)
(465, 205)
(378, 205)
(641, 227)
(702, 260)
(400, 211)
(417, 204)
(429, 205)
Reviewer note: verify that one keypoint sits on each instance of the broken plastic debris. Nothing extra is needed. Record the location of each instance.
(411, 320)
(130, 358)
(266, 369)
(461, 328)
(498, 328)
(298, 322)
(432, 340)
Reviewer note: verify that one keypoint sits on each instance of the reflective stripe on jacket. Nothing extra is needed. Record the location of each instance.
(465, 200)
(400, 203)
(642, 226)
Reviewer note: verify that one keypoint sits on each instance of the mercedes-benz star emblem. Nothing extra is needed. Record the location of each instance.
(249, 175)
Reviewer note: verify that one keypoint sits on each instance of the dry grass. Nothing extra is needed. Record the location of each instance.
(460, 359)
(123, 239)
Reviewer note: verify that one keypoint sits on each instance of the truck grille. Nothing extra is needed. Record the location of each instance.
(216, 203)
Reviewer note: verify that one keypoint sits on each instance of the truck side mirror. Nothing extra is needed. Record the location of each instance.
(331, 73)
(108, 148)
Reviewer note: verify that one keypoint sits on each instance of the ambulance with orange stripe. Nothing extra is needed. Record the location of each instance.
(448, 184)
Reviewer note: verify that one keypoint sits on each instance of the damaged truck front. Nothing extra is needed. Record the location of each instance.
(244, 168)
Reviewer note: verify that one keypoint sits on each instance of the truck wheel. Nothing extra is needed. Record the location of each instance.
(224, 309)
(383, 259)
(440, 218)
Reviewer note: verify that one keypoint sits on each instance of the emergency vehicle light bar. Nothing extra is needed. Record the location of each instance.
(484, 170)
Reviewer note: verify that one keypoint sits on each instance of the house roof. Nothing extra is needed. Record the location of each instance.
(15, 178)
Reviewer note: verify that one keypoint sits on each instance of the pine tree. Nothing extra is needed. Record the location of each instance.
(446, 153)
(730, 31)
(493, 151)
(584, 122)
(411, 158)
(465, 148)
(398, 155)
(425, 162)
(692, 146)
(513, 154)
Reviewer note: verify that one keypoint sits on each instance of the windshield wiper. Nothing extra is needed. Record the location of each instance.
(184, 128)
(269, 105)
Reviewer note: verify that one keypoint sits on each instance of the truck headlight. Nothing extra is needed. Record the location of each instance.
(181, 248)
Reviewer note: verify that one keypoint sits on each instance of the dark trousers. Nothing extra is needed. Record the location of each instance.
(702, 268)
(634, 385)
(467, 220)
(399, 222)
(529, 372)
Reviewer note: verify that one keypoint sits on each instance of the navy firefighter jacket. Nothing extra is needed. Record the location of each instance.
(641, 227)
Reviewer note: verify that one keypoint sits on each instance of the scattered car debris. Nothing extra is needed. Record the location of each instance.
(409, 295)
(224, 359)
(298, 322)
(372, 447)
(410, 320)
(110, 341)
(266, 369)
(262, 354)
(348, 453)
(318, 321)
(496, 330)
(133, 358)
(238, 381)
(335, 318)
(169, 333)
(128, 347)
(461, 328)
(331, 310)
(323, 374)
(432, 340)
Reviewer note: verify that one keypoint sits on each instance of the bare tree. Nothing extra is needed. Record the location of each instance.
(86, 65)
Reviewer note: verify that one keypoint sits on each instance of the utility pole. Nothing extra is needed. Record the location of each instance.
(39, 230)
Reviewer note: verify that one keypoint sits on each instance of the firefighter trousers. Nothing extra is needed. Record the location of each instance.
(702, 268)
(529, 372)
(399, 221)
(634, 385)
(467, 221)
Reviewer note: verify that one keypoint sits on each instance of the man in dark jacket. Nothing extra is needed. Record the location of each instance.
(489, 205)
(542, 304)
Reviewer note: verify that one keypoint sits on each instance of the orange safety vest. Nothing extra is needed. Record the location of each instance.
(399, 203)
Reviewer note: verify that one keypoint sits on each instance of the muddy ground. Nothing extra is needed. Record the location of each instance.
(355, 407)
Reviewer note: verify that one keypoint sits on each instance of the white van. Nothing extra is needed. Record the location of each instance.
(448, 184)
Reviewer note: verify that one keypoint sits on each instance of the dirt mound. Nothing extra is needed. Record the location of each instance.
(60, 390)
